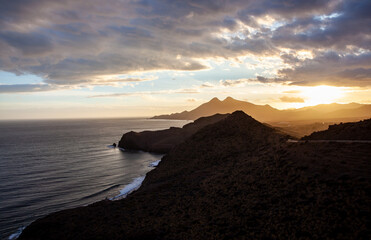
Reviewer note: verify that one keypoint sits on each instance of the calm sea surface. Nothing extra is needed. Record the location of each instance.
(50, 165)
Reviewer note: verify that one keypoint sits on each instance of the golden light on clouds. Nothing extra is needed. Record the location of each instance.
(322, 94)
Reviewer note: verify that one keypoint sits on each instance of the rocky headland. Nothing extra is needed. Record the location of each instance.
(234, 179)
(163, 141)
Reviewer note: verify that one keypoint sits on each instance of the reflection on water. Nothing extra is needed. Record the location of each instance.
(46, 166)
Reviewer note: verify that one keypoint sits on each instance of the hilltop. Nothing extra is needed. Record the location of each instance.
(234, 179)
(228, 105)
(162, 141)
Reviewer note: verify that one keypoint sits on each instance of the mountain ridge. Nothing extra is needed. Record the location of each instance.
(266, 113)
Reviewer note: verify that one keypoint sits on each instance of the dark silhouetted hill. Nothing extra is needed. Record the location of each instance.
(344, 131)
(234, 179)
(266, 113)
(162, 141)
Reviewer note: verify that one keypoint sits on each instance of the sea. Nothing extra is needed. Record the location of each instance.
(51, 165)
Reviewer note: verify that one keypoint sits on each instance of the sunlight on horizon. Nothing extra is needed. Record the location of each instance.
(322, 94)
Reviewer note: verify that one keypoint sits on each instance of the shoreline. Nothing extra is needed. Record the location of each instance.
(129, 188)
(239, 179)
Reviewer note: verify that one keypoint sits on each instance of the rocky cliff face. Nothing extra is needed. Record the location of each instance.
(234, 179)
(164, 140)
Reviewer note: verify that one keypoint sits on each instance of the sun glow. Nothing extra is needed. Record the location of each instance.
(321, 94)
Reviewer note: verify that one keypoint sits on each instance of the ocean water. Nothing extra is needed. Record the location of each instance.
(50, 165)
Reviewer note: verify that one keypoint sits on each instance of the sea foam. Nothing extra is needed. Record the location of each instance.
(16, 234)
(154, 164)
(134, 185)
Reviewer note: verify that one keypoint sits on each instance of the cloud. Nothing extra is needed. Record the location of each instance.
(292, 99)
(237, 82)
(120, 81)
(128, 94)
(331, 68)
(207, 85)
(292, 91)
(75, 42)
(23, 88)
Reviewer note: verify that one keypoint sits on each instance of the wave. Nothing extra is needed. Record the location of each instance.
(154, 164)
(16, 234)
(134, 185)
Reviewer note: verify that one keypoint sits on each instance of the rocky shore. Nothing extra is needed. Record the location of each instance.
(234, 179)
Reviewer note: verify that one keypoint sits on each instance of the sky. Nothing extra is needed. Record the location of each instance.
(136, 58)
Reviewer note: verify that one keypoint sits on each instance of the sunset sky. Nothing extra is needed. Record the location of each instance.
(122, 58)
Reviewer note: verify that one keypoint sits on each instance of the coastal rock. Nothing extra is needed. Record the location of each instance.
(163, 141)
(234, 179)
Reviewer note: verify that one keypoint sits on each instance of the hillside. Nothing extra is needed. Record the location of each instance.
(344, 131)
(162, 141)
(266, 113)
(234, 179)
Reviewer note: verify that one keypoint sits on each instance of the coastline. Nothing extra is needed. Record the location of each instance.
(234, 179)
(124, 192)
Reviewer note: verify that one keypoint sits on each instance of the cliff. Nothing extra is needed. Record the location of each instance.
(234, 179)
(163, 141)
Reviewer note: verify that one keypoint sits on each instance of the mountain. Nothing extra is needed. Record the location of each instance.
(228, 105)
(344, 131)
(325, 108)
(266, 113)
(162, 141)
(234, 179)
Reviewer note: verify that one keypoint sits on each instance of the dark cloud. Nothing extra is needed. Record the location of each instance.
(347, 26)
(331, 68)
(28, 43)
(74, 42)
(21, 88)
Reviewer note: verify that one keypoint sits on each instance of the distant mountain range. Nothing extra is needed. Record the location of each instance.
(266, 113)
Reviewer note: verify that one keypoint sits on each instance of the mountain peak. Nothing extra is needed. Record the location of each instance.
(215, 99)
(229, 99)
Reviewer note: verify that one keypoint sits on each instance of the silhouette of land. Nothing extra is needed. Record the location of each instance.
(235, 178)
(344, 131)
(266, 113)
(297, 122)
(163, 141)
